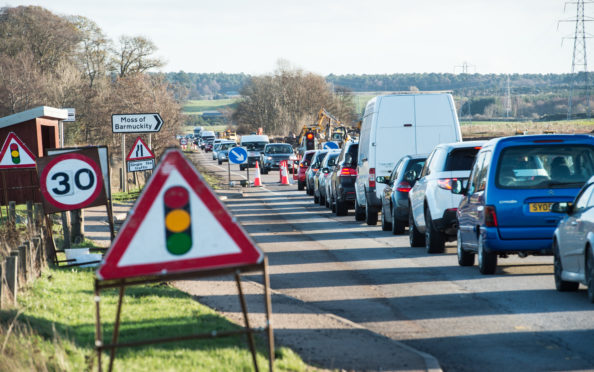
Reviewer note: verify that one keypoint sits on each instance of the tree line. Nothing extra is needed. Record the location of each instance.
(67, 61)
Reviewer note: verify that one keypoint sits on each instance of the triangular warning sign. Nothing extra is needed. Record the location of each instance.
(140, 151)
(15, 154)
(177, 225)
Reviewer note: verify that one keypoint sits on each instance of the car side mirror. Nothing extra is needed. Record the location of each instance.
(458, 187)
(381, 179)
(325, 170)
(562, 207)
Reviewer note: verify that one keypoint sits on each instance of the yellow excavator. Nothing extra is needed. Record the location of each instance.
(327, 128)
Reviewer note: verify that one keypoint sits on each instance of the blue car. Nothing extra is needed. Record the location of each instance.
(507, 201)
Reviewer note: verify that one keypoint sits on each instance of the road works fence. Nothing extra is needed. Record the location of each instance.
(26, 248)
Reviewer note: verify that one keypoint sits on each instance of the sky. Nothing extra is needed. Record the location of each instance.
(342, 36)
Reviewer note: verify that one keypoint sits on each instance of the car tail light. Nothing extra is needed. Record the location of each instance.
(371, 177)
(446, 183)
(403, 186)
(490, 216)
(346, 171)
(315, 169)
(301, 165)
(548, 141)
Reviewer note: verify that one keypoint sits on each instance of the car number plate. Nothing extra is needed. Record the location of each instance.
(540, 207)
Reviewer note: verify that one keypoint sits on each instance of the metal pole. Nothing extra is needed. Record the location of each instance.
(248, 174)
(268, 315)
(116, 329)
(250, 334)
(124, 175)
(229, 170)
(98, 341)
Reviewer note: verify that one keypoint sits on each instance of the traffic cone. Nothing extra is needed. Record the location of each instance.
(284, 174)
(257, 181)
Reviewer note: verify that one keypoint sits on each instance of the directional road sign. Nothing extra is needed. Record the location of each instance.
(178, 225)
(140, 151)
(15, 154)
(71, 180)
(136, 123)
(330, 146)
(238, 155)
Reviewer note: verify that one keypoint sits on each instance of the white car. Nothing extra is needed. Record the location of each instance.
(432, 216)
(573, 242)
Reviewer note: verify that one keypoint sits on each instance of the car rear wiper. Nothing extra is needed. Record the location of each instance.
(559, 183)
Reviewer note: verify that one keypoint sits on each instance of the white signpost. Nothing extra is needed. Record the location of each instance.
(136, 123)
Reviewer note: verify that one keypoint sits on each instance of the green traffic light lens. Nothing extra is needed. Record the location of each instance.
(179, 244)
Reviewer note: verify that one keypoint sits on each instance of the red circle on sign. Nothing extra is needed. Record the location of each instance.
(176, 197)
(67, 156)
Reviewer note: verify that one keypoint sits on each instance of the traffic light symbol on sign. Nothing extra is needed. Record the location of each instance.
(178, 221)
(310, 143)
(14, 153)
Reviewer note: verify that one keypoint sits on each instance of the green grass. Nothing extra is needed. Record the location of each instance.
(56, 329)
(131, 195)
(199, 106)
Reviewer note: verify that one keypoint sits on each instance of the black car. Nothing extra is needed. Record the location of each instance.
(341, 188)
(395, 195)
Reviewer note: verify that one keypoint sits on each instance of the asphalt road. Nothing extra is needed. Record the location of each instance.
(513, 320)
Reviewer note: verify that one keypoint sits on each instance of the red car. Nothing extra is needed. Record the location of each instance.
(208, 147)
(303, 166)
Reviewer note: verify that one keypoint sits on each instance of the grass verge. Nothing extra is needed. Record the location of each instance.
(54, 329)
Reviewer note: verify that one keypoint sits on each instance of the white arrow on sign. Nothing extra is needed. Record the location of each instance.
(240, 158)
(136, 123)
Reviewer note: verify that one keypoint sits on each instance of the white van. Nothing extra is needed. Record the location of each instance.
(393, 126)
(254, 144)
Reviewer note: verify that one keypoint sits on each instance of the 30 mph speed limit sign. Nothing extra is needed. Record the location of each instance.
(71, 180)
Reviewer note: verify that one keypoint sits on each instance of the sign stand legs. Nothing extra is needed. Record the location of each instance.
(268, 314)
(110, 219)
(98, 340)
(250, 334)
(116, 329)
(5, 194)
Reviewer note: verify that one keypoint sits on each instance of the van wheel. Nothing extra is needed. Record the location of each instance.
(241, 167)
(322, 200)
(359, 212)
(465, 258)
(590, 274)
(316, 199)
(264, 171)
(370, 216)
(415, 238)
(220, 162)
(487, 261)
(333, 205)
(386, 226)
(560, 284)
(300, 185)
(434, 239)
(397, 226)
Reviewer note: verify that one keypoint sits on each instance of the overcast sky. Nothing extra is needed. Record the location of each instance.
(341, 36)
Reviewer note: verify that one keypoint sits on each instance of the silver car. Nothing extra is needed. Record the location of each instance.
(573, 242)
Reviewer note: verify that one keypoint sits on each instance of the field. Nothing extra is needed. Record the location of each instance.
(505, 128)
(196, 107)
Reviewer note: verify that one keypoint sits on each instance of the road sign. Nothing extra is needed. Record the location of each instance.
(71, 115)
(140, 151)
(71, 180)
(183, 141)
(136, 123)
(15, 154)
(238, 155)
(178, 225)
(140, 165)
(330, 146)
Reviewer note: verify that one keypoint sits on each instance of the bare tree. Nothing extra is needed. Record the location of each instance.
(133, 55)
(94, 48)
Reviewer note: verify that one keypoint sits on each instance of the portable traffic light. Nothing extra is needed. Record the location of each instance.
(310, 142)
(178, 221)
(14, 153)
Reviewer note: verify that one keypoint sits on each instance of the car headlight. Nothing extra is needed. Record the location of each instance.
(292, 157)
(269, 158)
(223, 156)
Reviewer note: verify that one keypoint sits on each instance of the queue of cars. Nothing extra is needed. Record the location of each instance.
(521, 195)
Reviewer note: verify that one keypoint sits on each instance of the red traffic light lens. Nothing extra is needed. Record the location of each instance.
(176, 197)
(310, 136)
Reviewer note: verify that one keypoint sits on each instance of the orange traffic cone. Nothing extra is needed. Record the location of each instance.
(257, 181)
(284, 173)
